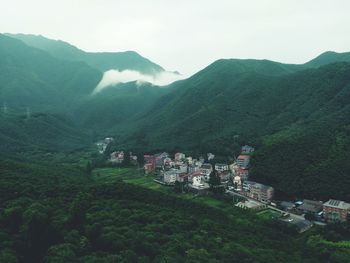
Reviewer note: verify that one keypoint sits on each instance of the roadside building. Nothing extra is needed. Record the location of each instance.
(258, 191)
(243, 161)
(310, 207)
(287, 206)
(336, 211)
(303, 225)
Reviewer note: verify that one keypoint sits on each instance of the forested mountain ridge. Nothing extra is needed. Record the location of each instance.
(103, 61)
(271, 105)
(30, 77)
(39, 132)
(327, 58)
(276, 113)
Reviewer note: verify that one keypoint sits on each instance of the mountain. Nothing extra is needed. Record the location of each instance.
(328, 57)
(30, 77)
(102, 61)
(116, 105)
(298, 121)
(39, 132)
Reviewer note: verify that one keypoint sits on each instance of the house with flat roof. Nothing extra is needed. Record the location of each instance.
(221, 167)
(336, 211)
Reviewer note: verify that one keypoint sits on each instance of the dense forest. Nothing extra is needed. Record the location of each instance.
(58, 213)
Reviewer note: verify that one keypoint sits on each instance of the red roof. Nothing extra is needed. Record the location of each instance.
(243, 157)
(197, 173)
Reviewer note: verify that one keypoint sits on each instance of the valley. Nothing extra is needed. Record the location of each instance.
(61, 200)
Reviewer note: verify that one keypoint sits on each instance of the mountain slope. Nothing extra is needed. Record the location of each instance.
(39, 132)
(117, 104)
(32, 78)
(328, 57)
(281, 114)
(100, 60)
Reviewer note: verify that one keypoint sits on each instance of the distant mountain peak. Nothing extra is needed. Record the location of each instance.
(329, 57)
(103, 61)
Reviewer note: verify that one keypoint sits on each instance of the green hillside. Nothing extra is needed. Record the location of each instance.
(32, 78)
(39, 132)
(116, 105)
(298, 121)
(100, 60)
(56, 213)
(329, 57)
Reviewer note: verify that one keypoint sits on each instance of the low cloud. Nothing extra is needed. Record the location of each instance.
(113, 77)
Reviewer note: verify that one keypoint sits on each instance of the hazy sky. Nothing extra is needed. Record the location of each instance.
(187, 35)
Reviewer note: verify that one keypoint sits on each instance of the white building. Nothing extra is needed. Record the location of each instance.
(170, 176)
(221, 167)
(237, 182)
(197, 180)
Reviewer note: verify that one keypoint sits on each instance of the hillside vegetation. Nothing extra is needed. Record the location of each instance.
(298, 121)
(59, 214)
(102, 61)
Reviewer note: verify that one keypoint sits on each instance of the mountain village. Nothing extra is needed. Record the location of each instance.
(200, 176)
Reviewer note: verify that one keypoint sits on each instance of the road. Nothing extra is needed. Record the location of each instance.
(292, 218)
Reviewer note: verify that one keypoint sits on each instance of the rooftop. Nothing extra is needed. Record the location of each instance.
(337, 204)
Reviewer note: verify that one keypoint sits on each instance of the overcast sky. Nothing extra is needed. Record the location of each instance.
(187, 35)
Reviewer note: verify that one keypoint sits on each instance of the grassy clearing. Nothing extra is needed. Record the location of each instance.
(137, 177)
(268, 214)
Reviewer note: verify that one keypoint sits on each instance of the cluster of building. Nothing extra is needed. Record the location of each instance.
(196, 172)
(118, 157)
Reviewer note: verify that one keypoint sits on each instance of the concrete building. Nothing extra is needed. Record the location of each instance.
(237, 182)
(149, 168)
(170, 176)
(258, 191)
(206, 170)
(243, 161)
(221, 167)
(336, 211)
(243, 173)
